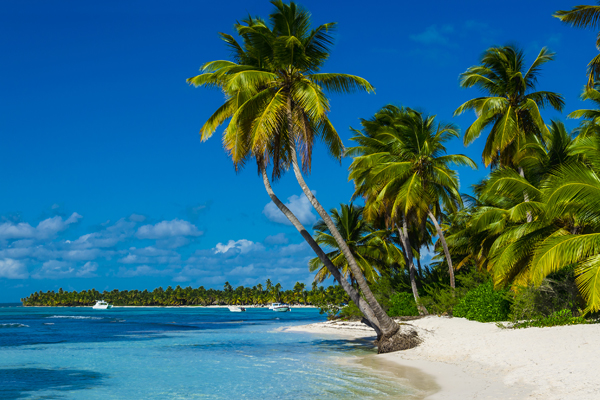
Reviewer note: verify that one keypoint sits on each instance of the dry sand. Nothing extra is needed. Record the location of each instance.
(472, 360)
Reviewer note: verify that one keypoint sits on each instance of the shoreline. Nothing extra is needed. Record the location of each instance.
(252, 306)
(472, 360)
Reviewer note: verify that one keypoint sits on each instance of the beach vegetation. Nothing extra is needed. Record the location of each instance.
(401, 170)
(403, 305)
(484, 304)
(558, 318)
(256, 295)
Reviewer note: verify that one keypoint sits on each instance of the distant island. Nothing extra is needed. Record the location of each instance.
(256, 295)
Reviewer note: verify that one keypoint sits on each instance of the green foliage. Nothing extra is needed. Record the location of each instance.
(558, 318)
(484, 304)
(440, 299)
(351, 311)
(557, 292)
(191, 297)
(402, 305)
(330, 300)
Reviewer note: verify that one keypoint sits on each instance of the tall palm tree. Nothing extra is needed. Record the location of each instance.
(585, 17)
(275, 102)
(366, 244)
(401, 168)
(511, 107)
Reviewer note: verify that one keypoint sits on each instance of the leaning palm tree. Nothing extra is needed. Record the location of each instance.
(401, 169)
(511, 107)
(275, 102)
(367, 245)
(585, 17)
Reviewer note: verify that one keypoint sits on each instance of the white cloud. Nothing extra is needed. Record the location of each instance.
(54, 269)
(142, 270)
(45, 229)
(108, 237)
(88, 270)
(21, 230)
(426, 254)
(167, 229)
(243, 246)
(150, 255)
(298, 205)
(13, 269)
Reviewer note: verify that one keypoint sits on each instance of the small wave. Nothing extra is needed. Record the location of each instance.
(14, 326)
(73, 317)
(48, 323)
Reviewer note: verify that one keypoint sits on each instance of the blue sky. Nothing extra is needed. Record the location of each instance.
(104, 182)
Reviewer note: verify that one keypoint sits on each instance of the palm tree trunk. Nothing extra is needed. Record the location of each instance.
(362, 305)
(403, 232)
(525, 195)
(387, 325)
(445, 246)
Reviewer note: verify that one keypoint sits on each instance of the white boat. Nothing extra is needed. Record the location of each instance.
(101, 305)
(236, 309)
(280, 307)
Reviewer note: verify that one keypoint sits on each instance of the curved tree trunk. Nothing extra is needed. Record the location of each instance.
(445, 246)
(408, 254)
(386, 324)
(354, 295)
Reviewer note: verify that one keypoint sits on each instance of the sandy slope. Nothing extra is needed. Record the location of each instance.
(471, 360)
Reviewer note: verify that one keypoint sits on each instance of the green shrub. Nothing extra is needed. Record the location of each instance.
(556, 293)
(484, 304)
(351, 311)
(562, 317)
(441, 299)
(402, 304)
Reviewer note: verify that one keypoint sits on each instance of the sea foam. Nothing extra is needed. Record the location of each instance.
(13, 325)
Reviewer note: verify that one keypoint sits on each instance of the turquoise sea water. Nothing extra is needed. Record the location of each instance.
(178, 353)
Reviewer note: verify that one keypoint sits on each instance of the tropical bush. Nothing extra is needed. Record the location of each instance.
(484, 304)
(402, 305)
(557, 292)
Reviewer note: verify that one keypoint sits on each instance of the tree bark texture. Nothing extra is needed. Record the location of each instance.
(387, 325)
(362, 305)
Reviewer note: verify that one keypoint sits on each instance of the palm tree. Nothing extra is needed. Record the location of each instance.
(401, 169)
(510, 108)
(585, 17)
(564, 230)
(275, 102)
(365, 243)
(590, 126)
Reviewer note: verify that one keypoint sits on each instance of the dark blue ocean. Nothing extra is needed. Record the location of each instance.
(179, 353)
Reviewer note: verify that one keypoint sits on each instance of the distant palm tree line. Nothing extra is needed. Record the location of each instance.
(257, 295)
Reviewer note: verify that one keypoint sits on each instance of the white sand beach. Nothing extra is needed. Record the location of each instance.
(472, 360)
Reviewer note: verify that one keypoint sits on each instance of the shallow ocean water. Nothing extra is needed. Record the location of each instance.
(179, 353)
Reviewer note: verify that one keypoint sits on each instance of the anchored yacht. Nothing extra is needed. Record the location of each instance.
(101, 305)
